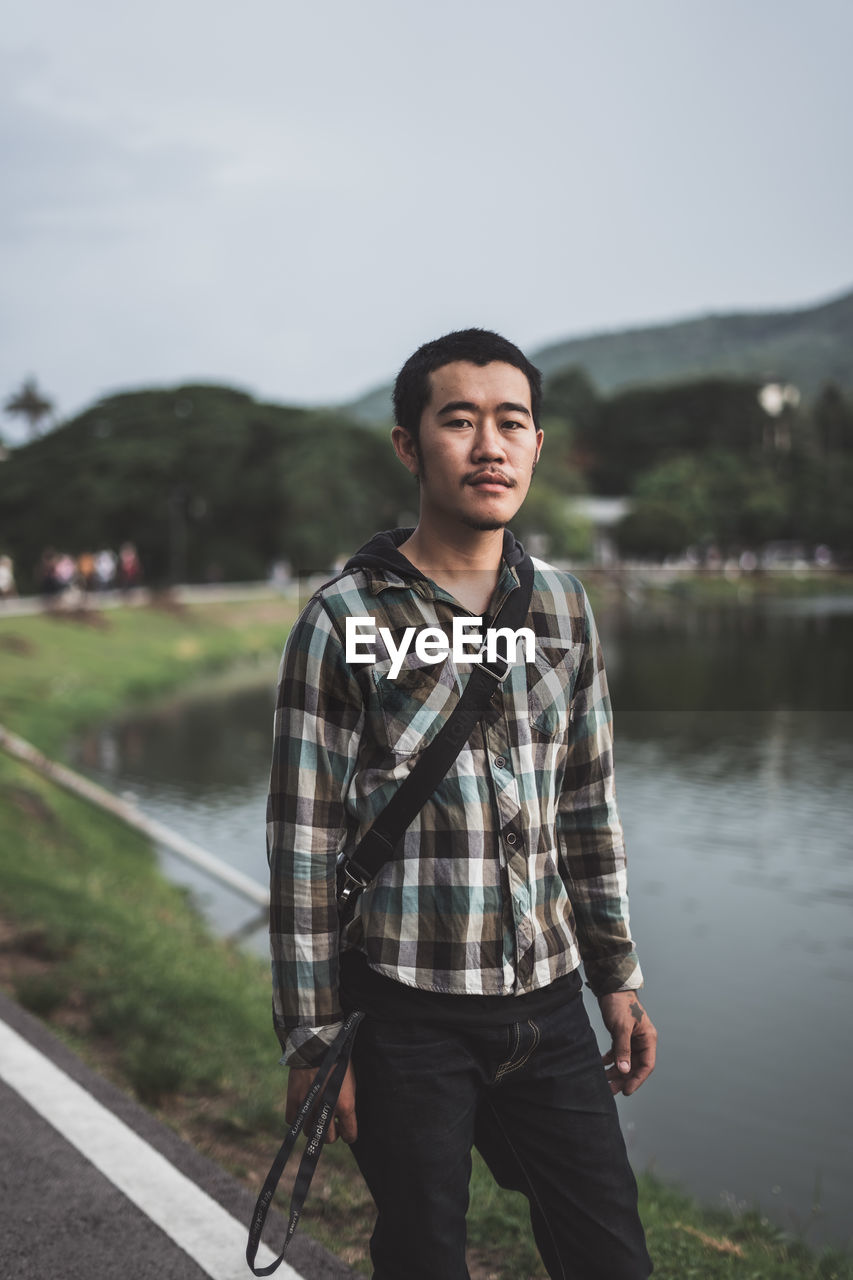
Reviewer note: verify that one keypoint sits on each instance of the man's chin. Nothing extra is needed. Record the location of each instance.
(483, 525)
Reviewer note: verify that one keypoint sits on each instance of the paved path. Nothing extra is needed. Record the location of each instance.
(92, 1186)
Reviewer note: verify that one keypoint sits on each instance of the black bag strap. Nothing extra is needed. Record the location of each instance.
(327, 1084)
(378, 844)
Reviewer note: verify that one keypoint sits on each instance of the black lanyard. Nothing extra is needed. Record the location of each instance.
(322, 1098)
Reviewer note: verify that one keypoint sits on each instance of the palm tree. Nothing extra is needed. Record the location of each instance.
(29, 403)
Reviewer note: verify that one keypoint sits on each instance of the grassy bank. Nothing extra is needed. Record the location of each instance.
(113, 957)
(66, 671)
(713, 588)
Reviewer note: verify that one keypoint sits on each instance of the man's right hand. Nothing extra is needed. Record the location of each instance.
(343, 1123)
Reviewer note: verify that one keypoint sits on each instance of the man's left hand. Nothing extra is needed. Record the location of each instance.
(631, 1057)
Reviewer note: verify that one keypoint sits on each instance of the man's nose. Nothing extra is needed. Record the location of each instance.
(488, 441)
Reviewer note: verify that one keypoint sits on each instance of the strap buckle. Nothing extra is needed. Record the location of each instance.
(351, 879)
(494, 668)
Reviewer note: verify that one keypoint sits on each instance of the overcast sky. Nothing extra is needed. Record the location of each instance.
(291, 197)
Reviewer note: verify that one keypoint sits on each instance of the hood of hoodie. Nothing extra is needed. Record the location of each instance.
(381, 554)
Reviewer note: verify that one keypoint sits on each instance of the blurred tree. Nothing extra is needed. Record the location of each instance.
(207, 482)
(833, 420)
(571, 396)
(639, 429)
(822, 504)
(29, 403)
(570, 408)
(341, 483)
(654, 530)
(546, 514)
(703, 499)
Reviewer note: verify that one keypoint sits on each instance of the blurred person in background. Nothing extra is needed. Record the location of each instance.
(106, 564)
(56, 574)
(464, 951)
(86, 572)
(64, 571)
(7, 578)
(129, 573)
(48, 582)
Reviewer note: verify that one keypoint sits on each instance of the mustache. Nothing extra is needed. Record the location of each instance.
(492, 474)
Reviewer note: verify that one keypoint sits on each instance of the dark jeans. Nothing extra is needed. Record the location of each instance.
(533, 1098)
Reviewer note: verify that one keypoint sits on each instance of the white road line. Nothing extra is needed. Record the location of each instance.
(196, 1223)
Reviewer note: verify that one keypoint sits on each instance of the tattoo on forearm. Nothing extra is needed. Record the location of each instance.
(637, 1011)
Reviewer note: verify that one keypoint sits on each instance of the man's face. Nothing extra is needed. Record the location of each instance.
(478, 445)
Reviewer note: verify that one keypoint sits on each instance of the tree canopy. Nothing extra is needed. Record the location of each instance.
(207, 482)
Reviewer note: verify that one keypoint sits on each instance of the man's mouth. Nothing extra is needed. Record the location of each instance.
(490, 480)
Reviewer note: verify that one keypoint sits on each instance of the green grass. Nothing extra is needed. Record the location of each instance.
(745, 588)
(116, 959)
(107, 931)
(687, 1240)
(63, 672)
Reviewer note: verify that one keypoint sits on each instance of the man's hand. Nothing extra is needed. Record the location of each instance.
(631, 1057)
(343, 1123)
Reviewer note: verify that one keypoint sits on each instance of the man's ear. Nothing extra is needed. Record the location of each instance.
(405, 449)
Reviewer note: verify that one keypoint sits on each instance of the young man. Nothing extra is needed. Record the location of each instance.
(465, 950)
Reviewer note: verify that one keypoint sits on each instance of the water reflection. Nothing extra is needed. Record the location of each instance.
(732, 660)
(734, 757)
(196, 747)
(200, 766)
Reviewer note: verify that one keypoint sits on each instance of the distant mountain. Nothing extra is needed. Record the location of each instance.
(809, 347)
(373, 407)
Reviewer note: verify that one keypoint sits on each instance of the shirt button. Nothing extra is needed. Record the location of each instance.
(511, 838)
(500, 761)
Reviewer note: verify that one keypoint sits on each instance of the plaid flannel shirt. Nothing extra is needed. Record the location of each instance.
(513, 872)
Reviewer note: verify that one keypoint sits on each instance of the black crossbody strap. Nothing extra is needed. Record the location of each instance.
(327, 1084)
(377, 846)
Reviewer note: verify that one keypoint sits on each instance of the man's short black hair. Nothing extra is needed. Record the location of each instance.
(478, 346)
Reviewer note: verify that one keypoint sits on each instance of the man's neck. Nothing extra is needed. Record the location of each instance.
(465, 562)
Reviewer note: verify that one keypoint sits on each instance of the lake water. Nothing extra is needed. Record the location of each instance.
(734, 758)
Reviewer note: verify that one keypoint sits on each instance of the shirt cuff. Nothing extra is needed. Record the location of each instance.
(606, 976)
(306, 1046)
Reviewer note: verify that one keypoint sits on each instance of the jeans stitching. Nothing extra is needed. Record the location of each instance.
(533, 1044)
(506, 1067)
(507, 1064)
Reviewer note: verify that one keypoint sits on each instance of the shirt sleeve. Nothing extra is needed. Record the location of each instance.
(318, 722)
(590, 831)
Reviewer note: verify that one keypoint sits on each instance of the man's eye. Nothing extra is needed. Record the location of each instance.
(519, 426)
(459, 422)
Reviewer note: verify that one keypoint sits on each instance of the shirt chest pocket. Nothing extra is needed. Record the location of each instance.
(550, 681)
(415, 703)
